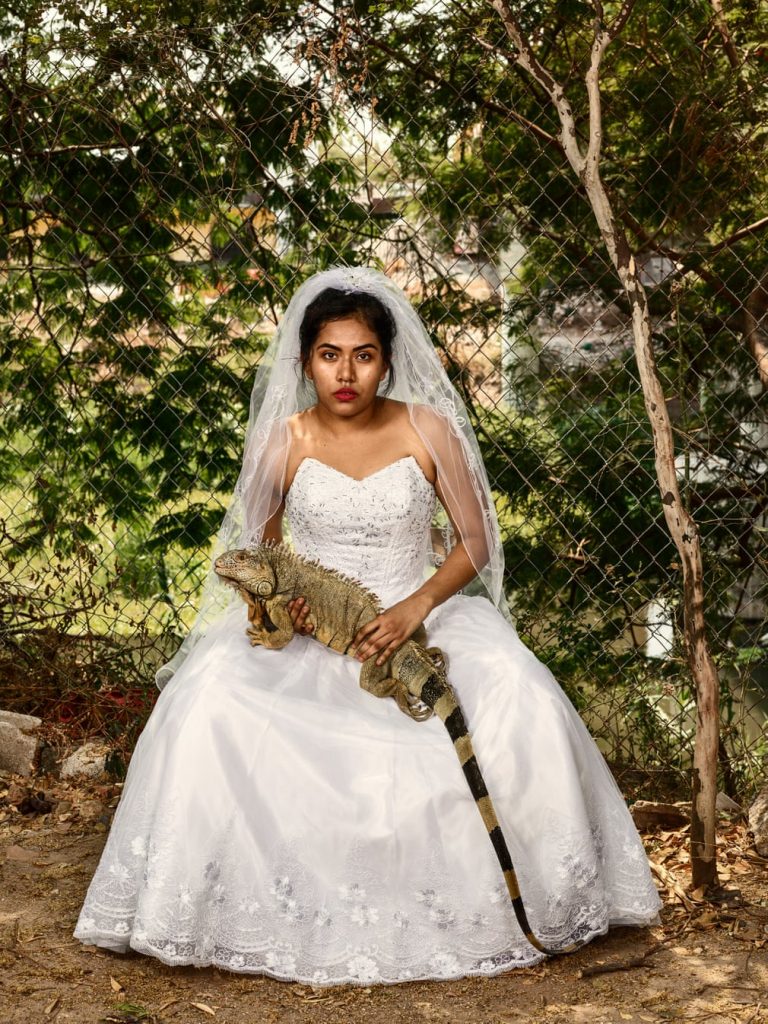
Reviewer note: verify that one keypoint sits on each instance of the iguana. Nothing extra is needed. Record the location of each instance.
(270, 575)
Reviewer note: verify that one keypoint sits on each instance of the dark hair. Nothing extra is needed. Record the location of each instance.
(336, 304)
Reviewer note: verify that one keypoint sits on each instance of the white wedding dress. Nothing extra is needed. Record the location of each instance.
(278, 819)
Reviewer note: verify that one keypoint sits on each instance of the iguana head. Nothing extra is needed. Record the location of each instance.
(247, 570)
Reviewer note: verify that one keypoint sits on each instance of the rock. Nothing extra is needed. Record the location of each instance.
(9, 929)
(725, 805)
(647, 814)
(90, 809)
(18, 742)
(758, 821)
(88, 760)
(49, 764)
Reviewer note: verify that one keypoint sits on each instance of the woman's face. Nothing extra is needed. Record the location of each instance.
(346, 364)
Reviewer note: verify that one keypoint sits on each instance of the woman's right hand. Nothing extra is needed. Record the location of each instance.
(299, 609)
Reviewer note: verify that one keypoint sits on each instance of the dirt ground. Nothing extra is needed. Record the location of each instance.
(706, 962)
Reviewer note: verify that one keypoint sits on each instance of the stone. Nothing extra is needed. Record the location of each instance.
(88, 760)
(9, 929)
(90, 809)
(47, 760)
(648, 814)
(18, 742)
(724, 804)
(758, 821)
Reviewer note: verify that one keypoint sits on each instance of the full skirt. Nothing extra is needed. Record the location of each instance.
(278, 819)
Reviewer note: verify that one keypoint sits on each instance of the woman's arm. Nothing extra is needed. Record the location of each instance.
(460, 493)
(273, 528)
(385, 633)
(274, 460)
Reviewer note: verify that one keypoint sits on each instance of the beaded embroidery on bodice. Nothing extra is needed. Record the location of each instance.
(376, 530)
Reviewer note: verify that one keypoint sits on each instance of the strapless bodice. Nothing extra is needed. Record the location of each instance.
(376, 529)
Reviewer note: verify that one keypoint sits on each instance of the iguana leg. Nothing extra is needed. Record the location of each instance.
(374, 681)
(255, 610)
(280, 618)
(437, 658)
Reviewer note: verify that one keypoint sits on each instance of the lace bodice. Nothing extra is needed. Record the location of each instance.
(376, 529)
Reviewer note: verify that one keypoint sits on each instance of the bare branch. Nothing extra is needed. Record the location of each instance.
(525, 55)
(750, 229)
(682, 259)
(592, 78)
(528, 60)
(75, 147)
(620, 20)
(722, 27)
(423, 71)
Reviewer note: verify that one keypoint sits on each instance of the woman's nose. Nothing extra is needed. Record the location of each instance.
(346, 369)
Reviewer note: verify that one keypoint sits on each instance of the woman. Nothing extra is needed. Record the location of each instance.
(278, 819)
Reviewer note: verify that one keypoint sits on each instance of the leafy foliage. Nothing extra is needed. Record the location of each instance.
(170, 172)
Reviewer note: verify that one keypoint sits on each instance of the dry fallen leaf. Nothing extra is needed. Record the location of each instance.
(205, 1008)
(706, 920)
(116, 986)
(52, 1005)
(167, 1003)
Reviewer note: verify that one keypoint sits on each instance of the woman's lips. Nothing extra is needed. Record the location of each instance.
(345, 395)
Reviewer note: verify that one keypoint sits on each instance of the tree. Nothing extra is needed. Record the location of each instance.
(169, 182)
(151, 156)
(673, 195)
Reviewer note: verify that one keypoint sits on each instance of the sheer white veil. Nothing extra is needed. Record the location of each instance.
(436, 411)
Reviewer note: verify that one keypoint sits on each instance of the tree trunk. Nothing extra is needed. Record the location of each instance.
(754, 315)
(681, 526)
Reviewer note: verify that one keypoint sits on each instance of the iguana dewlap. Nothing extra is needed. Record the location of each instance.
(271, 575)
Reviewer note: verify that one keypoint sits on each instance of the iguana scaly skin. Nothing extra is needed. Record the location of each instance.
(271, 575)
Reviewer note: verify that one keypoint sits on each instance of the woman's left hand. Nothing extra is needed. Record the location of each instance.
(385, 633)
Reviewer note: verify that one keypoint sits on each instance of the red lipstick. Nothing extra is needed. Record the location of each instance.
(345, 394)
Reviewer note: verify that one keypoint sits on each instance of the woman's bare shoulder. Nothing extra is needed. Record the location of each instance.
(300, 425)
(426, 417)
(406, 412)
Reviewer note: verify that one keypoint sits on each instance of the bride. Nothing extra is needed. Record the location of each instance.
(278, 819)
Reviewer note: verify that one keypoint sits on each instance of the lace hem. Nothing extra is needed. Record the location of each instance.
(362, 966)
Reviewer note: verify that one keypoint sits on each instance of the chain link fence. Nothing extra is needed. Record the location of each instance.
(169, 180)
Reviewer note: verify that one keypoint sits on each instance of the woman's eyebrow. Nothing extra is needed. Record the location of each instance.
(327, 344)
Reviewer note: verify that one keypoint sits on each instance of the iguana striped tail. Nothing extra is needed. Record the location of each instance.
(437, 694)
